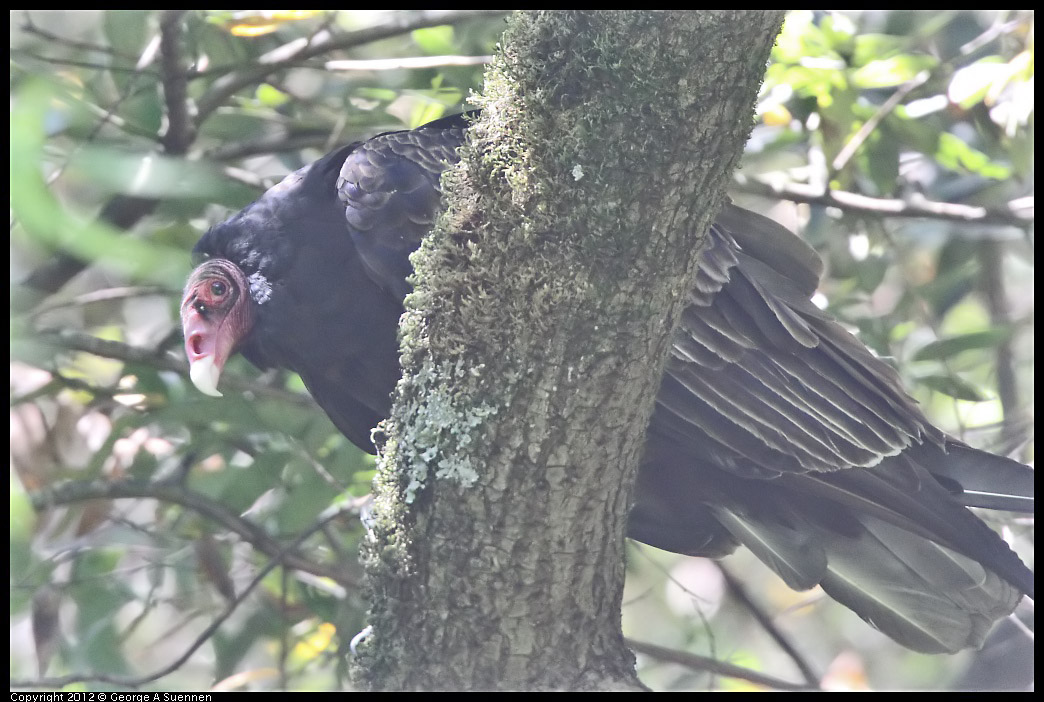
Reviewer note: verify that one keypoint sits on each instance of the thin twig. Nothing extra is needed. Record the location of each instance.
(740, 593)
(870, 125)
(103, 295)
(269, 145)
(702, 663)
(992, 32)
(78, 63)
(395, 64)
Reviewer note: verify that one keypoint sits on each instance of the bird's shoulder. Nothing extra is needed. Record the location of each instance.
(389, 189)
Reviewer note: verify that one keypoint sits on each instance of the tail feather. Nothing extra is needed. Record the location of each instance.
(793, 554)
(892, 542)
(983, 479)
(923, 595)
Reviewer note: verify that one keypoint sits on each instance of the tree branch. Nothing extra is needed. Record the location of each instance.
(180, 131)
(1017, 214)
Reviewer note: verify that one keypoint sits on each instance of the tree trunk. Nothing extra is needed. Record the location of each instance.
(535, 341)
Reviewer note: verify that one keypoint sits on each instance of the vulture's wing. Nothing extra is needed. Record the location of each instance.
(778, 429)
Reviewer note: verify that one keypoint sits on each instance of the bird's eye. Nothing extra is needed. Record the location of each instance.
(217, 288)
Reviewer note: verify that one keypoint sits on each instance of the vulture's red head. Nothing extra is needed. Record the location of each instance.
(216, 315)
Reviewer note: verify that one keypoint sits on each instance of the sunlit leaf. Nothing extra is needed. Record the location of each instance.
(270, 96)
(255, 24)
(970, 84)
(889, 72)
(776, 116)
(838, 31)
(955, 154)
(435, 41)
(314, 644)
(871, 47)
(253, 29)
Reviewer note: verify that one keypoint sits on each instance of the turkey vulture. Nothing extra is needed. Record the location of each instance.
(774, 427)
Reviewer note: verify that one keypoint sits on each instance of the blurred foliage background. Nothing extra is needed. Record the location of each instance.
(161, 539)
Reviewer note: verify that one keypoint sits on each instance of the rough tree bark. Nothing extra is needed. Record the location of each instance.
(534, 344)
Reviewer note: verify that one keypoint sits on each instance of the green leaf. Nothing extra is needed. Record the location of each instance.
(22, 523)
(237, 124)
(872, 47)
(953, 386)
(436, 41)
(950, 286)
(870, 273)
(918, 134)
(880, 154)
(144, 174)
(270, 96)
(970, 84)
(304, 501)
(889, 72)
(144, 112)
(125, 31)
(955, 154)
(427, 112)
(951, 346)
(382, 94)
